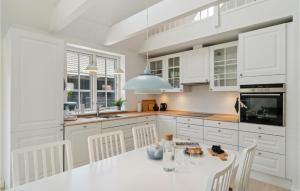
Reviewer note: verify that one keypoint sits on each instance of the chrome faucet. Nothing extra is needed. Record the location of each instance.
(99, 108)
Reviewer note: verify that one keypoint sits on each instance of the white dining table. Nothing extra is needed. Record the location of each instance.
(132, 171)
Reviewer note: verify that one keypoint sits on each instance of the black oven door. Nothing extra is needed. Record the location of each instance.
(262, 108)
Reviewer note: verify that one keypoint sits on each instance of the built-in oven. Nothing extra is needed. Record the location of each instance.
(263, 104)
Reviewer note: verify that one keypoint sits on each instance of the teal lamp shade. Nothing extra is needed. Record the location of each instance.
(147, 84)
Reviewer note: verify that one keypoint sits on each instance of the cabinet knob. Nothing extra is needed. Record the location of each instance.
(219, 130)
(84, 127)
(61, 129)
(241, 74)
(259, 153)
(259, 136)
(219, 123)
(259, 127)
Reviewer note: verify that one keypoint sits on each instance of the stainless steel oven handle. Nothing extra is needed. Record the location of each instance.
(261, 94)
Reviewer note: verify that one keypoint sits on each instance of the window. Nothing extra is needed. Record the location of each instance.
(92, 88)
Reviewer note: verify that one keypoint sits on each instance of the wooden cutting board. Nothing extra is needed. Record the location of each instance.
(223, 156)
(147, 105)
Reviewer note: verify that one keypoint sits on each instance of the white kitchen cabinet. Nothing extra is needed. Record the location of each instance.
(221, 135)
(269, 163)
(33, 78)
(195, 66)
(263, 129)
(223, 67)
(78, 135)
(157, 67)
(223, 145)
(221, 124)
(40, 136)
(190, 120)
(166, 124)
(262, 56)
(190, 132)
(269, 143)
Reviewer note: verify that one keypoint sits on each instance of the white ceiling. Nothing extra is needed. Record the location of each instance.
(92, 26)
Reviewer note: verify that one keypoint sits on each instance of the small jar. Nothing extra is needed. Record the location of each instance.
(168, 155)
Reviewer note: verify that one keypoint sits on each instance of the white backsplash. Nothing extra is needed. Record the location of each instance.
(200, 99)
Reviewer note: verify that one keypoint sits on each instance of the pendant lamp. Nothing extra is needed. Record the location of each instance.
(147, 83)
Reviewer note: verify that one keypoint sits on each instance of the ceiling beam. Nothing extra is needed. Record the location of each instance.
(158, 13)
(67, 11)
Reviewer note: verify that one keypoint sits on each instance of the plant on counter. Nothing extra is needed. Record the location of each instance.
(69, 93)
(119, 102)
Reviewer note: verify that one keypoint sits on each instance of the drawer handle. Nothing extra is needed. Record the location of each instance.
(84, 127)
(259, 127)
(259, 136)
(219, 130)
(219, 123)
(189, 126)
(147, 123)
(259, 153)
(188, 119)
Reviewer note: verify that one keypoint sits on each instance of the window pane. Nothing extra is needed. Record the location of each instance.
(111, 99)
(100, 66)
(84, 61)
(110, 67)
(85, 98)
(100, 83)
(73, 98)
(85, 82)
(110, 84)
(73, 79)
(101, 98)
(72, 63)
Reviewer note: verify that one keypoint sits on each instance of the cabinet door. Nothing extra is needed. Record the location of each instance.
(269, 143)
(263, 52)
(189, 132)
(36, 137)
(195, 66)
(78, 135)
(166, 124)
(157, 67)
(221, 135)
(37, 80)
(269, 163)
(223, 67)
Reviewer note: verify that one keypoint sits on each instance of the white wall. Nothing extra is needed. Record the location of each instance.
(200, 99)
(0, 92)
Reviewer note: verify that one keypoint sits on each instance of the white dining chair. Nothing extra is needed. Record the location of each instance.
(144, 135)
(220, 180)
(36, 162)
(244, 168)
(106, 145)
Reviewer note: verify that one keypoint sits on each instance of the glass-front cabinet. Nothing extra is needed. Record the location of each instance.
(174, 71)
(156, 67)
(168, 68)
(223, 67)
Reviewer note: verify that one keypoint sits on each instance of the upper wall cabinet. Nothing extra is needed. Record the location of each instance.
(223, 67)
(195, 66)
(262, 56)
(169, 68)
(157, 67)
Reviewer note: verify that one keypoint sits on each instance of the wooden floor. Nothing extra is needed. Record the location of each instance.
(255, 185)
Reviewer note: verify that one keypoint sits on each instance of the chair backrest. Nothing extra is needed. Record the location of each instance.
(144, 135)
(244, 168)
(36, 162)
(220, 180)
(106, 145)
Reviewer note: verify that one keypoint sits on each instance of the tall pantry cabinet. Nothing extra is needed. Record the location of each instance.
(33, 76)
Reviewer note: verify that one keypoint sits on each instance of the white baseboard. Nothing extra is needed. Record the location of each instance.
(276, 181)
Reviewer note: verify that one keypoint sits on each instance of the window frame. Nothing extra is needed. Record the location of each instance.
(93, 77)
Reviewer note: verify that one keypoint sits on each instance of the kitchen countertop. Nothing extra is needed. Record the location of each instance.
(207, 116)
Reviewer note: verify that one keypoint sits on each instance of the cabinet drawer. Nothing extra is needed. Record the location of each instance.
(221, 124)
(269, 163)
(188, 138)
(223, 146)
(221, 135)
(269, 143)
(265, 129)
(117, 122)
(144, 119)
(191, 128)
(188, 120)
